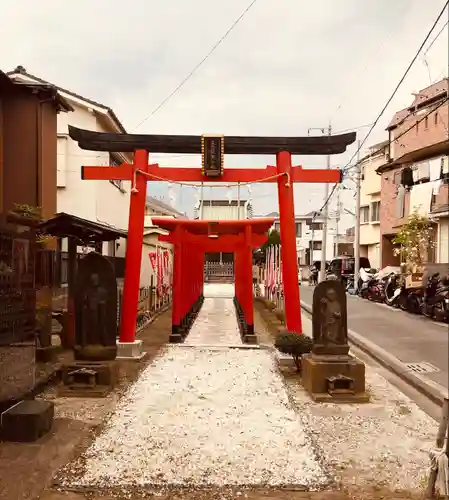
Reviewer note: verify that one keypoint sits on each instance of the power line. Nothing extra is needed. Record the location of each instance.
(374, 153)
(436, 38)
(194, 70)
(390, 98)
(347, 167)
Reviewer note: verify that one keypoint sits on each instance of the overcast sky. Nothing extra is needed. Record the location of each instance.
(287, 66)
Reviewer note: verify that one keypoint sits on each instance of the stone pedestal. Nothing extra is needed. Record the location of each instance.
(250, 339)
(95, 352)
(130, 350)
(89, 379)
(334, 378)
(46, 354)
(27, 421)
(17, 372)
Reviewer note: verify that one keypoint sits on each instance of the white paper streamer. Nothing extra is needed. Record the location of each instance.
(171, 195)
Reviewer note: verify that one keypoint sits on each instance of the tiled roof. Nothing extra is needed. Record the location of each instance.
(429, 93)
(20, 70)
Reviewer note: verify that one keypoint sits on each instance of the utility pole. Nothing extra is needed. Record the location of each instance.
(326, 216)
(325, 212)
(357, 218)
(202, 201)
(337, 221)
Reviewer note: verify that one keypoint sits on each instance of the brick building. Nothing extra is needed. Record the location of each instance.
(419, 142)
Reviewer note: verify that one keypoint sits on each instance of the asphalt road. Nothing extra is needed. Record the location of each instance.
(410, 338)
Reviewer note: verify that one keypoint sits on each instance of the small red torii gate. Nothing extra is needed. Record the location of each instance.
(239, 237)
(140, 172)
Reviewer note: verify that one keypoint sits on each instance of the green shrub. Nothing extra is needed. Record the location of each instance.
(294, 344)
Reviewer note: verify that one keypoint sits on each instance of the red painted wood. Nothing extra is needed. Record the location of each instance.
(288, 246)
(133, 258)
(155, 173)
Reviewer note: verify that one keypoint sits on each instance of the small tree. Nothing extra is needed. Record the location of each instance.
(294, 344)
(274, 238)
(415, 239)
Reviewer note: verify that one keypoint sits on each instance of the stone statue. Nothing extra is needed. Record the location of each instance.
(329, 318)
(95, 309)
(94, 313)
(331, 331)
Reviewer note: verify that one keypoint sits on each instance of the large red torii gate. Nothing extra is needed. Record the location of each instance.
(140, 172)
(239, 237)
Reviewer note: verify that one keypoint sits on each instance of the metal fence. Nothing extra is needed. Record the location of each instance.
(220, 270)
(151, 301)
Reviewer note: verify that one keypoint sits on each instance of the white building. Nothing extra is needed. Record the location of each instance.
(370, 202)
(155, 208)
(224, 210)
(309, 237)
(104, 202)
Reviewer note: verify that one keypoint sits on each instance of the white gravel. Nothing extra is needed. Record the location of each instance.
(216, 290)
(221, 417)
(216, 324)
(201, 417)
(383, 443)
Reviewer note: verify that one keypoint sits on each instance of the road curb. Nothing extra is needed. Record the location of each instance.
(431, 390)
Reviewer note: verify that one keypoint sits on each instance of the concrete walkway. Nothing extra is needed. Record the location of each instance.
(410, 338)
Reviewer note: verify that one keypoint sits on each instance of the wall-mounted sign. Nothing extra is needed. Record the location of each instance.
(212, 152)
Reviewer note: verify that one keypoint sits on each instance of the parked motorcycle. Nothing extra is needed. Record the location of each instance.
(376, 286)
(414, 300)
(365, 277)
(395, 291)
(435, 303)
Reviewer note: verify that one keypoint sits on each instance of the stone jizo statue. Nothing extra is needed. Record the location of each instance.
(329, 317)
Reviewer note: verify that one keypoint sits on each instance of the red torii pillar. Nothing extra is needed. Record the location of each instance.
(140, 172)
(186, 298)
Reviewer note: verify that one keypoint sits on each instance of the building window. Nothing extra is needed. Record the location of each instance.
(375, 211)
(298, 227)
(397, 178)
(317, 226)
(114, 161)
(317, 245)
(364, 214)
(426, 122)
(435, 118)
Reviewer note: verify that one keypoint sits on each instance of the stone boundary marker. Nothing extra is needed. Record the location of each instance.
(431, 390)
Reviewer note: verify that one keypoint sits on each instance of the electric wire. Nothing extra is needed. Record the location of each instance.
(436, 37)
(197, 67)
(347, 167)
(415, 57)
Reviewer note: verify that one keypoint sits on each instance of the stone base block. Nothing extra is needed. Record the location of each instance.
(83, 391)
(130, 350)
(250, 339)
(27, 421)
(334, 379)
(95, 352)
(176, 338)
(46, 354)
(107, 374)
(88, 379)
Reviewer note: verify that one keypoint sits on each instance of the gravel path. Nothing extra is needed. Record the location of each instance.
(199, 416)
(216, 324)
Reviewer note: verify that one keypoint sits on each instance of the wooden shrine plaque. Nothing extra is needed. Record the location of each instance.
(212, 152)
